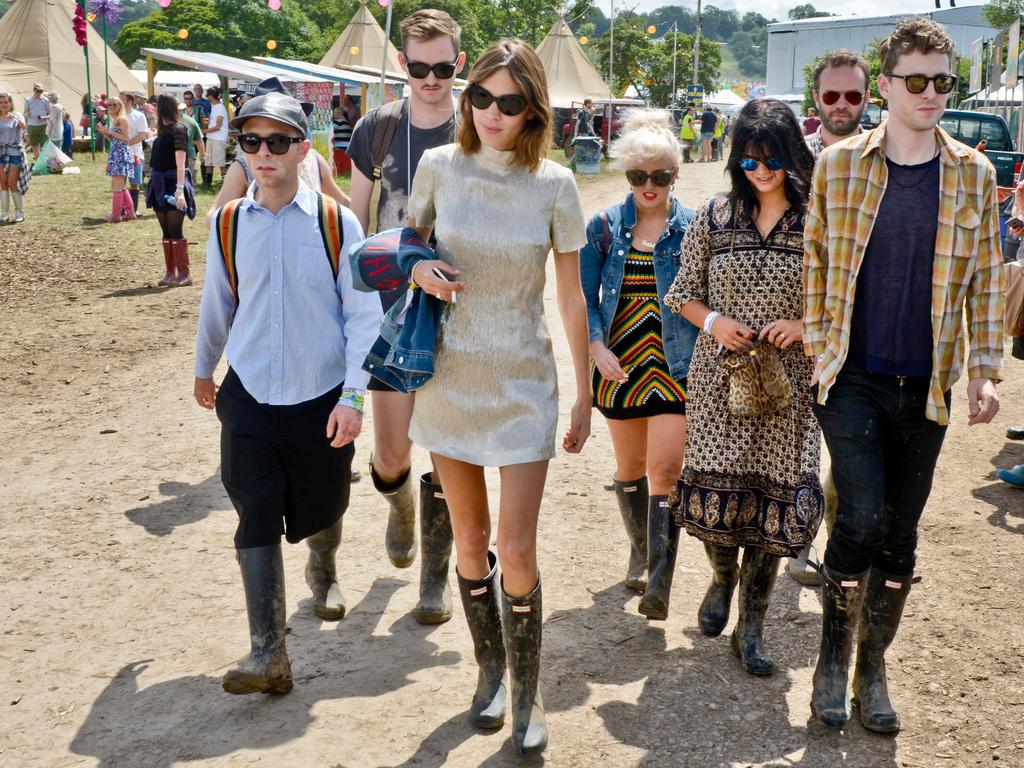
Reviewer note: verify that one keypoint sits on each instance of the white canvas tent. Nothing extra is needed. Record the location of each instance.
(362, 44)
(571, 76)
(37, 45)
(725, 99)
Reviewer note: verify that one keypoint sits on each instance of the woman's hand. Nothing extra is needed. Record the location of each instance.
(783, 333)
(732, 334)
(579, 427)
(423, 275)
(179, 199)
(607, 363)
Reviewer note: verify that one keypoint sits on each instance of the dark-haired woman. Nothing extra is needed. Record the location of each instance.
(170, 191)
(749, 481)
(497, 207)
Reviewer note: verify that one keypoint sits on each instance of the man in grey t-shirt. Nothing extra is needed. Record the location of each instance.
(37, 113)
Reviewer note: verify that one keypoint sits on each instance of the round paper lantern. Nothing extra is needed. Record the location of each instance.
(164, 3)
(584, 40)
(274, 5)
(90, 17)
(354, 50)
(383, 3)
(271, 45)
(651, 29)
(183, 34)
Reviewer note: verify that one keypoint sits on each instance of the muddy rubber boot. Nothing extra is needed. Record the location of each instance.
(322, 573)
(168, 278)
(134, 195)
(483, 614)
(180, 250)
(880, 617)
(19, 207)
(5, 205)
(400, 539)
(435, 604)
(522, 622)
(633, 502)
(757, 577)
(841, 598)
(725, 572)
(662, 543)
(266, 669)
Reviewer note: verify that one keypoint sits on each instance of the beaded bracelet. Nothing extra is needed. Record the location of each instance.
(353, 398)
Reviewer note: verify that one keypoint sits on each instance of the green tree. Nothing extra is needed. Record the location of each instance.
(806, 11)
(719, 24)
(1001, 13)
(159, 30)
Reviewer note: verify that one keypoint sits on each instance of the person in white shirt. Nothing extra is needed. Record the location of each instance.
(139, 124)
(37, 111)
(216, 138)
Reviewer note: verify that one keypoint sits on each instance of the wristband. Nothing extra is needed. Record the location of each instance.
(709, 320)
(352, 398)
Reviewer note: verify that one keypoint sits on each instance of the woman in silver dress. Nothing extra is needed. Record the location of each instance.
(749, 481)
(497, 207)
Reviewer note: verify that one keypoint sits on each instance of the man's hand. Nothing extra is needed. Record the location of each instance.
(982, 401)
(343, 425)
(205, 391)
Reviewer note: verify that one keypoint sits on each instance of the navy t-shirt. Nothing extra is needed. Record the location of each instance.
(892, 310)
(708, 121)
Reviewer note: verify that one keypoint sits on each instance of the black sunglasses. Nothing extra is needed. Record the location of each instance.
(771, 163)
(510, 104)
(659, 178)
(853, 98)
(277, 143)
(918, 83)
(442, 71)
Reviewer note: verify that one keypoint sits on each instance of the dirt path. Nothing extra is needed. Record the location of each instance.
(122, 604)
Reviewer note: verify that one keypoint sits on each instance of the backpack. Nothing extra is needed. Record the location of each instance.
(388, 117)
(225, 226)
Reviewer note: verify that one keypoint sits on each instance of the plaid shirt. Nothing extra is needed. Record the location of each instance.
(849, 182)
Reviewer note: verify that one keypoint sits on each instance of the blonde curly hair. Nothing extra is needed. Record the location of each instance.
(647, 135)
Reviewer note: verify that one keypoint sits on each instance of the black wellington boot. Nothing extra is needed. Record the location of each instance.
(322, 574)
(662, 542)
(633, 503)
(714, 610)
(757, 578)
(435, 605)
(523, 621)
(134, 195)
(266, 669)
(841, 597)
(483, 614)
(880, 617)
(400, 539)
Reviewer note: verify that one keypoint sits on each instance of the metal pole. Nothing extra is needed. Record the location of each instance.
(696, 49)
(611, 54)
(675, 44)
(88, 92)
(384, 57)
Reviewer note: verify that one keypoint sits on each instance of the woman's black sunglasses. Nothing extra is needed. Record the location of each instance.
(918, 83)
(659, 178)
(278, 143)
(510, 104)
(418, 69)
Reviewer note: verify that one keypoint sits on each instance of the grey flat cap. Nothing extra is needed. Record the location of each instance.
(275, 106)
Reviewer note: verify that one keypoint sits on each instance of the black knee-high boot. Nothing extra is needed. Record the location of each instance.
(322, 574)
(757, 578)
(435, 604)
(885, 596)
(714, 610)
(633, 498)
(483, 614)
(662, 543)
(841, 598)
(522, 622)
(266, 669)
(400, 539)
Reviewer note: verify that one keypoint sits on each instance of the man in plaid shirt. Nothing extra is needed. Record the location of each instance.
(904, 219)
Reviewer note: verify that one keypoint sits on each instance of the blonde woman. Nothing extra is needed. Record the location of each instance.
(497, 207)
(12, 159)
(55, 122)
(640, 348)
(120, 161)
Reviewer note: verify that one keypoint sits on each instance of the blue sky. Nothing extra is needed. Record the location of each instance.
(778, 8)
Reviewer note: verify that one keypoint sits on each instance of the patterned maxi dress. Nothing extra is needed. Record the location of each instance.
(750, 481)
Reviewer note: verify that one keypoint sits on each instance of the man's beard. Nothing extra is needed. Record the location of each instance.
(841, 126)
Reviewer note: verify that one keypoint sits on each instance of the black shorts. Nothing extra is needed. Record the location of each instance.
(376, 385)
(278, 467)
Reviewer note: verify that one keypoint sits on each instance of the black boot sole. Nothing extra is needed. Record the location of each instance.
(242, 683)
(654, 608)
(764, 668)
(830, 721)
(888, 727)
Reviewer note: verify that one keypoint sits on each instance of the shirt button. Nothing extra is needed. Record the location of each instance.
(276, 325)
(275, 293)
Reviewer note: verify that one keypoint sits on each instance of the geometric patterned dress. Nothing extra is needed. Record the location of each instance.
(635, 338)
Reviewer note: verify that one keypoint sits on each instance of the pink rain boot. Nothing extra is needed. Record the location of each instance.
(127, 205)
(115, 210)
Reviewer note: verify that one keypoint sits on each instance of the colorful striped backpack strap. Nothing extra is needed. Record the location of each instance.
(331, 230)
(225, 225)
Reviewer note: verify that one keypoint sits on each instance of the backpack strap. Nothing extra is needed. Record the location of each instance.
(225, 225)
(329, 213)
(606, 233)
(388, 117)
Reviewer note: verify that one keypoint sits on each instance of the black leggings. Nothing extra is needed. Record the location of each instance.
(170, 224)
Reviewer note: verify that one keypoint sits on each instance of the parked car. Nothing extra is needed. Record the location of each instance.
(971, 128)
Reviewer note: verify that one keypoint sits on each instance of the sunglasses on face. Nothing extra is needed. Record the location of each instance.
(853, 98)
(658, 178)
(511, 104)
(277, 143)
(442, 71)
(771, 163)
(919, 83)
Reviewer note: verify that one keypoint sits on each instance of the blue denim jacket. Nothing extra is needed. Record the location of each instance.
(601, 275)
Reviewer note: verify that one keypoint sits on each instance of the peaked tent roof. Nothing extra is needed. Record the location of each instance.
(365, 35)
(37, 44)
(571, 76)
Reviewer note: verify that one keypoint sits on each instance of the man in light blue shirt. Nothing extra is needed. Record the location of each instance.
(296, 334)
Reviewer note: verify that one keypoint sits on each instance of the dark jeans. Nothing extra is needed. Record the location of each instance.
(883, 459)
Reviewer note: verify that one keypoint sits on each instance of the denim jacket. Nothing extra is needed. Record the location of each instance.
(403, 354)
(602, 273)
